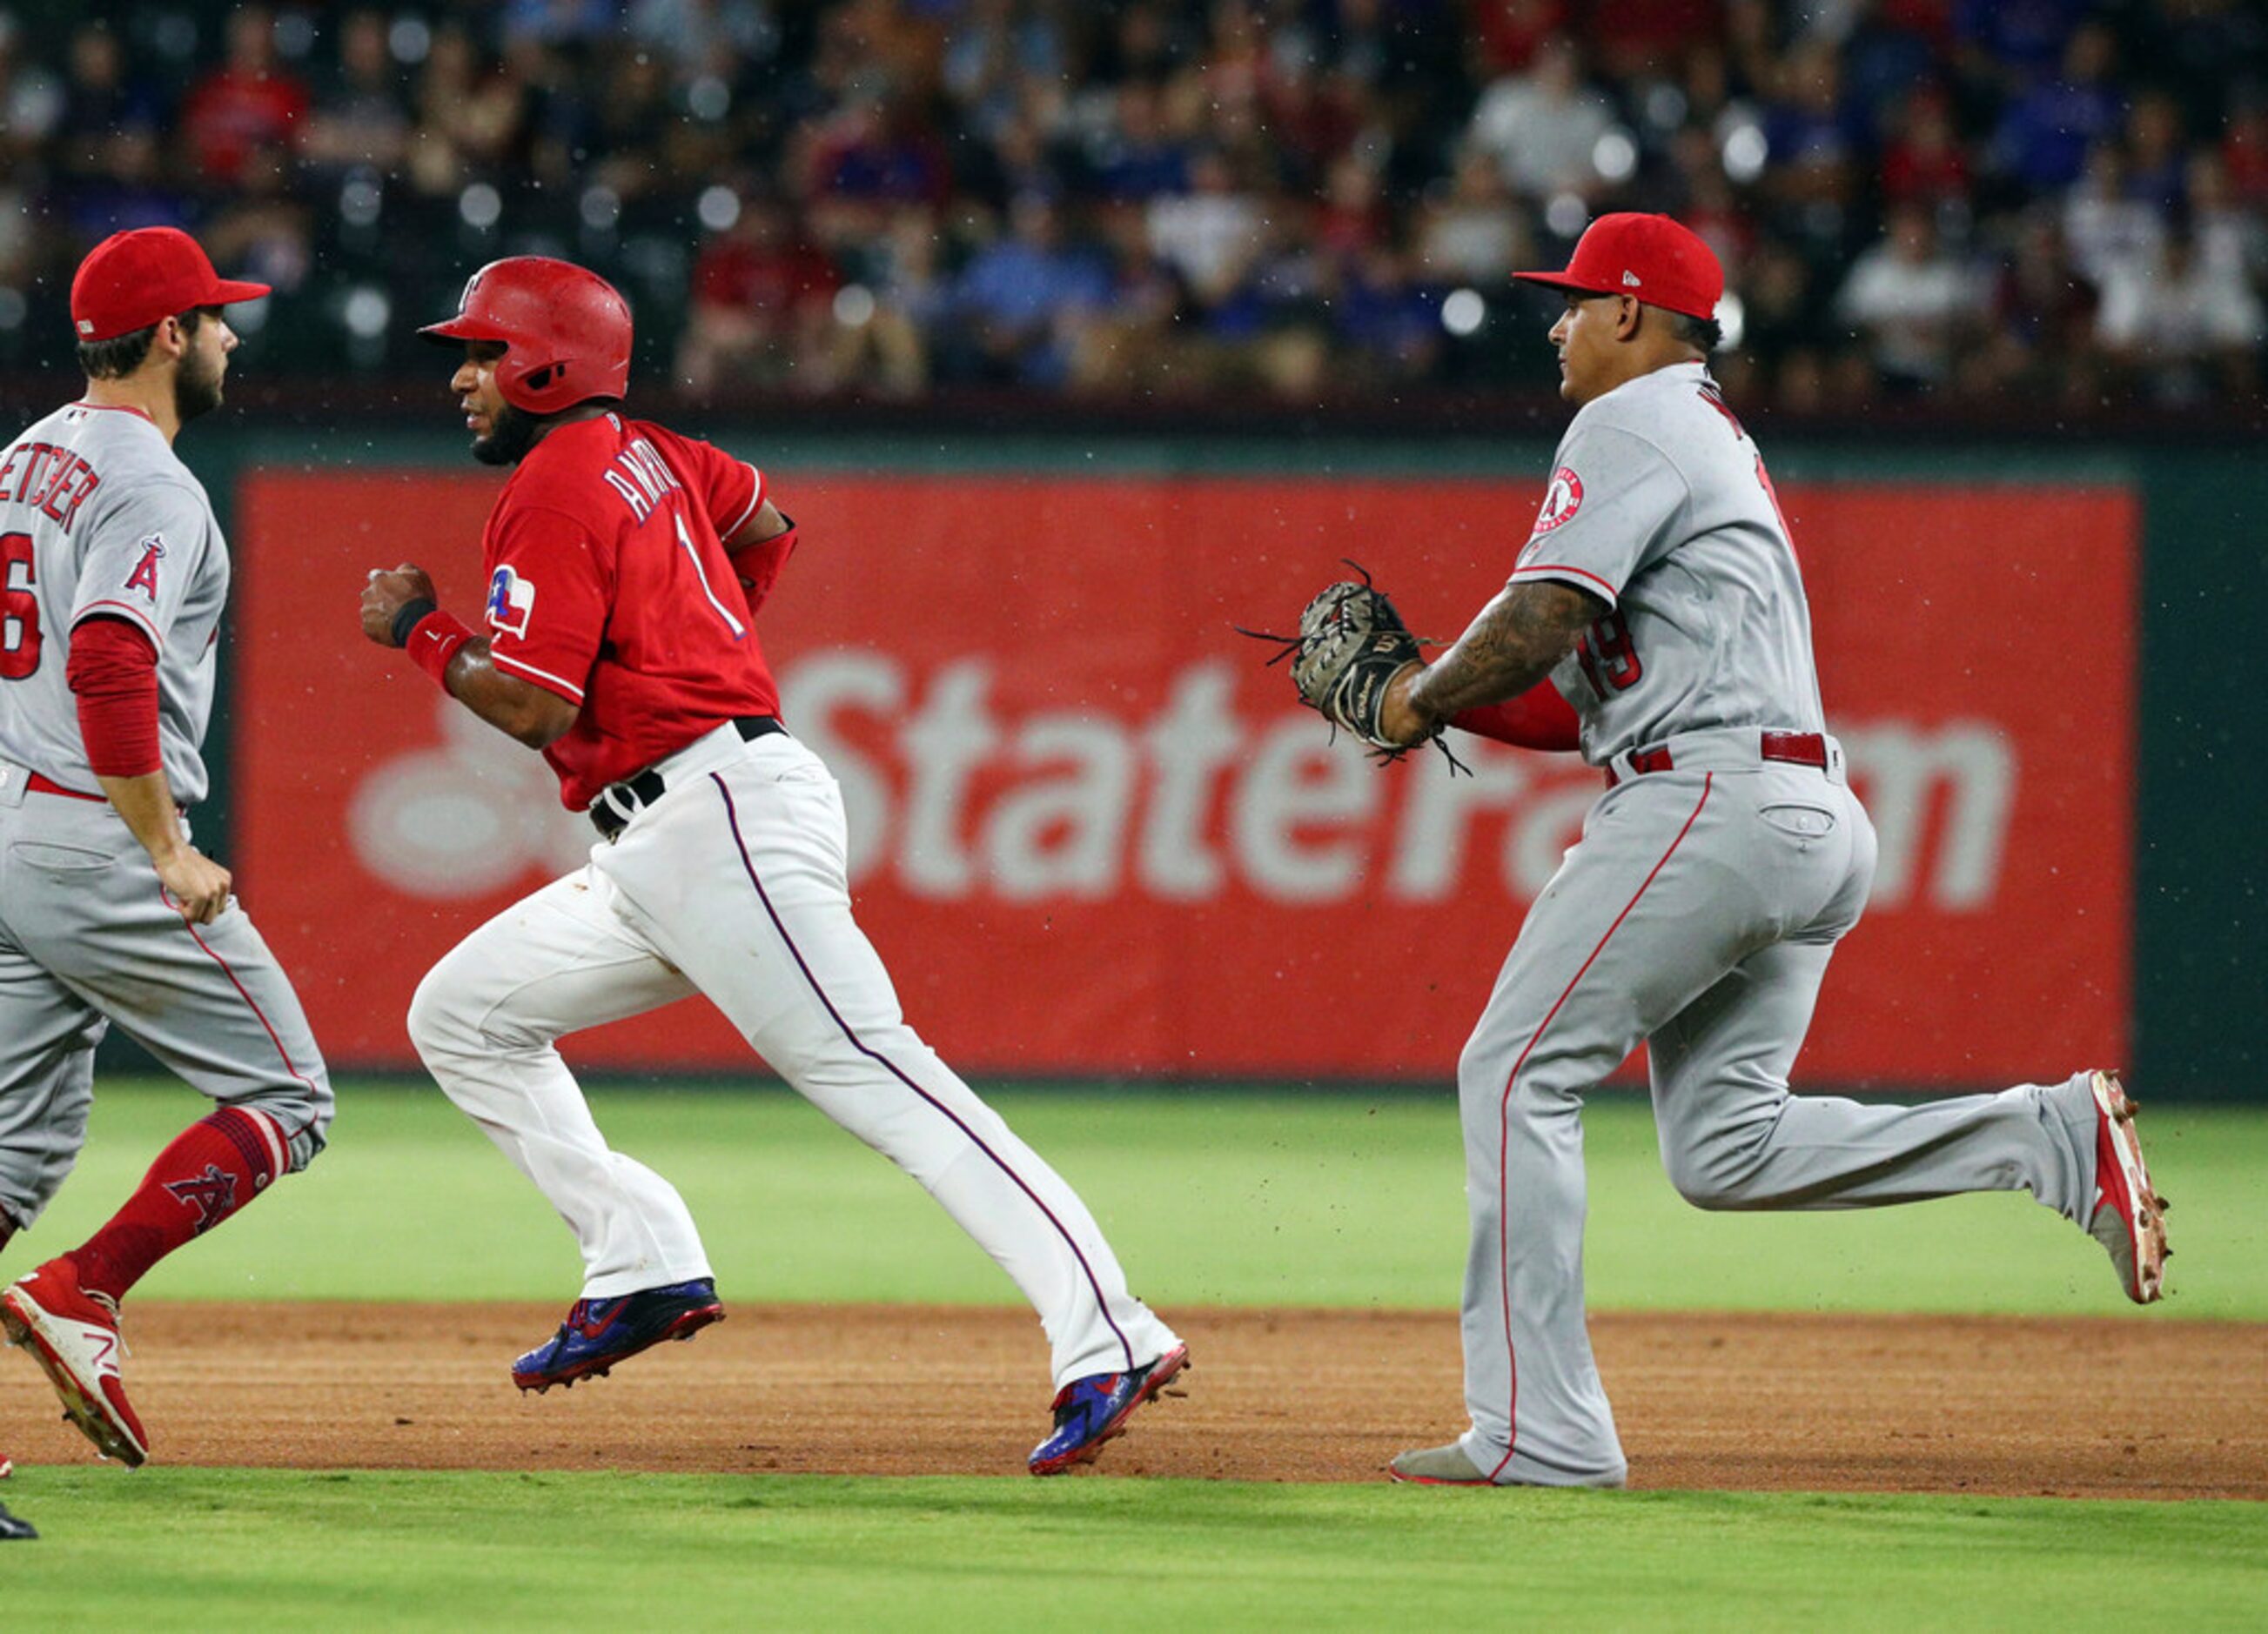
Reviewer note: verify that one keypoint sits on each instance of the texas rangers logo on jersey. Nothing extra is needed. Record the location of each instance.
(144, 576)
(1561, 500)
(212, 1194)
(511, 600)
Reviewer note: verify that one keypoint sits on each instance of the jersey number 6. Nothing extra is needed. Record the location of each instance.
(20, 609)
(1610, 664)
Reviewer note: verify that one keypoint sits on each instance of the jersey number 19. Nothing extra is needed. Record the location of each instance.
(1609, 662)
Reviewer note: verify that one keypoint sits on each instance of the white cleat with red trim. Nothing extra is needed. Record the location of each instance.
(2130, 1216)
(73, 1336)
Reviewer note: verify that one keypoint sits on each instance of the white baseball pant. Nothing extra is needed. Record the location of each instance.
(733, 884)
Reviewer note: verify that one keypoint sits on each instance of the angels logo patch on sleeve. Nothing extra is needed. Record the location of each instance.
(1561, 500)
(512, 599)
(144, 576)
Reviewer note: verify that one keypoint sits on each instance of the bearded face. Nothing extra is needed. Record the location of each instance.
(197, 382)
(510, 434)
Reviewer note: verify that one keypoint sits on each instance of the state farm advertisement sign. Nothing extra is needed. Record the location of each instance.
(1092, 834)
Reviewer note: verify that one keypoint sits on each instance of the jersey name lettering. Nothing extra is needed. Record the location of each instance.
(641, 476)
(54, 478)
(1713, 395)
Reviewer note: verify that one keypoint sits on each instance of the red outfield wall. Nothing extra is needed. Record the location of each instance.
(1092, 834)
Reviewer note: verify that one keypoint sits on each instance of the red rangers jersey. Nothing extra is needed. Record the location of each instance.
(608, 585)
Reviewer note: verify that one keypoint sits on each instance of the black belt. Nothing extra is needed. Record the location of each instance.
(618, 802)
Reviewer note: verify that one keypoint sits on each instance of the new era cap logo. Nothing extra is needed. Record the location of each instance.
(86, 326)
(1631, 280)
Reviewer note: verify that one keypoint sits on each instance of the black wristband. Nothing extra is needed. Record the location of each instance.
(411, 614)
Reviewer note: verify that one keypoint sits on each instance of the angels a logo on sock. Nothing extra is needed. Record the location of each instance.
(212, 1193)
(1561, 500)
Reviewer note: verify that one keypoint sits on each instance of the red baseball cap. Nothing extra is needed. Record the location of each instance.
(131, 280)
(1652, 257)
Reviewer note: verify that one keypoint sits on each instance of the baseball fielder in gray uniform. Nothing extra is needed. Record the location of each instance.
(113, 576)
(1659, 592)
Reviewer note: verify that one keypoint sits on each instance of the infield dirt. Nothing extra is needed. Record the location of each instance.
(2099, 1408)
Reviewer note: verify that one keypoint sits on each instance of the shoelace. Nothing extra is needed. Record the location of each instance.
(578, 1323)
(1088, 1404)
(117, 1322)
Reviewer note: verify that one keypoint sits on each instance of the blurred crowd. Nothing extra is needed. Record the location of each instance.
(2059, 201)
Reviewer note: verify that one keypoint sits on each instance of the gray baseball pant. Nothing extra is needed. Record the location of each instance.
(1697, 914)
(87, 938)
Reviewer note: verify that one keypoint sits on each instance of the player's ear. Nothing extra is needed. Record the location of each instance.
(1629, 313)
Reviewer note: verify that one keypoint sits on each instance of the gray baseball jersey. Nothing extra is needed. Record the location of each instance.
(1659, 505)
(1696, 915)
(99, 519)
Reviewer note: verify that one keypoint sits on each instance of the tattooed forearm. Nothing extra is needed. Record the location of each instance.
(1511, 646)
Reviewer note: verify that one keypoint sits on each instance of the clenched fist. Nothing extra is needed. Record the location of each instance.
(385, 596)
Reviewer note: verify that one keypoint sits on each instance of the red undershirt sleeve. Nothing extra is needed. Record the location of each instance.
(112, 674)
(1538, 718)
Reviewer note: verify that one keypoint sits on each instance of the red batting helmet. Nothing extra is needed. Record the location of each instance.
(566, 331)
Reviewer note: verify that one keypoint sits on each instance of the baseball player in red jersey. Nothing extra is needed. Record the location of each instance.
(1658, 593)
(114, 575)
(625, 565)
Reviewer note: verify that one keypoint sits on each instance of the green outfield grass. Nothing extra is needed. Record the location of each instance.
(168, 1547)
(1228, 1199)
(1210, 1198)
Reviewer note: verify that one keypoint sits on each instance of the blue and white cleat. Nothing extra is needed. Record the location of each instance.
(598, 1332)
(1092, 1411)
